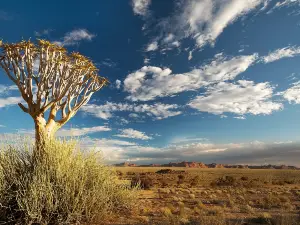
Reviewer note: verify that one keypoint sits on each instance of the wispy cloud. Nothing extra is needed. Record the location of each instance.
(5, 102)
(156, 111)
(286, 3)
(255, 152)
(6, 90)
(150, 82)
(75, 36)
(133, 134)
(108, 63)
(43, 32)
(240, 98)
(81, 131)
(71, 132)
(204, 20)
(278, 54)
(5, 15)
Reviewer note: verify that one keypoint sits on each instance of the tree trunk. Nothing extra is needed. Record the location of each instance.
(43, 132)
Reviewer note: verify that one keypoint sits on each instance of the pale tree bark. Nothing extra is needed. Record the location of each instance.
(50, 80)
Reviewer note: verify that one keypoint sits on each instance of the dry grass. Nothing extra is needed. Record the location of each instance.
(60, 186)
(237, 196)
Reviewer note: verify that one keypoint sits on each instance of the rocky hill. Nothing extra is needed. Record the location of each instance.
(211, 165)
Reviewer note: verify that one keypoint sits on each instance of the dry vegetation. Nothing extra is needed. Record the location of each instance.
(60, 186)
(214, 196)
(67, 186)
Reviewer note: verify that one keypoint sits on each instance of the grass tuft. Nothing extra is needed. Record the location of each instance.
(58, 185)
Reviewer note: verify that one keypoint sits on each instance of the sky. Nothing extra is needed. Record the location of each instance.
(211, 81)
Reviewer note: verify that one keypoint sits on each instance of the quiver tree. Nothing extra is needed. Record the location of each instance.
(50, 81)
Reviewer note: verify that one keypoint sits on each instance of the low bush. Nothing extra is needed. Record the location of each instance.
(61, 185)
(164, 171)
(142, 182)
(224, 181)
(195, 181)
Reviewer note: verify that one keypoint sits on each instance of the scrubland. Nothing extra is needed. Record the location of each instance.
(63, 184)
(214, 196)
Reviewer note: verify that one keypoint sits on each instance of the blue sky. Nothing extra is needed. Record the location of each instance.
(199, 80)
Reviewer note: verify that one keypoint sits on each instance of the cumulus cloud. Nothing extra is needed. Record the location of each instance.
(205, 20)
(75, 36)
(81, 131)
(293, 94)
(134, 134)
(140, 7)
(240, 98)
(151, 82)
(278, 54)
(157, 111)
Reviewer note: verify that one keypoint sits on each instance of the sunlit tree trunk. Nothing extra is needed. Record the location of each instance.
(44, 132)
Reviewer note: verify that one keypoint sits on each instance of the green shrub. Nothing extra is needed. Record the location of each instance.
(62, 185)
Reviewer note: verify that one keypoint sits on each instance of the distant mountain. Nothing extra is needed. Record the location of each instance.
(212, 165)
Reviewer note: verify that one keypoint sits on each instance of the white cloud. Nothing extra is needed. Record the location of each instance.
(118, 84)
(151, 82)
(278, 54)
(2, 126)
(286, 3)
(5, 90)
(81, 131)
(175, 43)
(255, 152)
(108, 63)
(190, 55)
(157, 111)
(75, 36)
(240, 98)
(218, 16)
(152, 46)
(114, 150)
(134, 134)
(4, 102)
(140, 7)
(43, 32)
(133, 115)
(205, 20)
(146, 60)
(72, 132)
(240, 117)
(293, 94)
